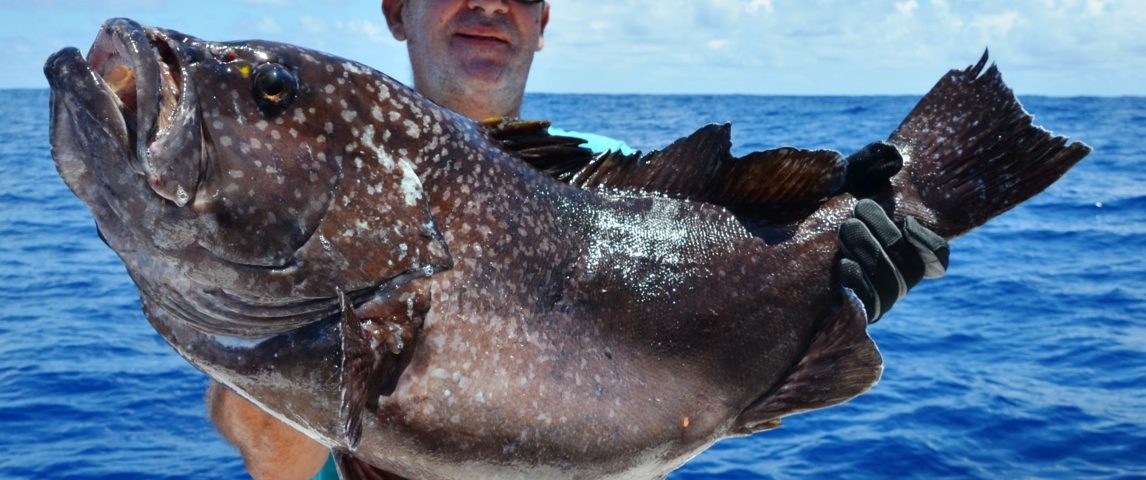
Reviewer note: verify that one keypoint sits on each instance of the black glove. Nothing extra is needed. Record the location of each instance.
(882, 262)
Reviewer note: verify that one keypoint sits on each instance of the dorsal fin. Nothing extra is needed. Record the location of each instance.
(772, 185)
(840, 363)
(529, 140)
(682, 170)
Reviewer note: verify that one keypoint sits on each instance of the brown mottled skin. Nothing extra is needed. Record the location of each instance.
(553, 331)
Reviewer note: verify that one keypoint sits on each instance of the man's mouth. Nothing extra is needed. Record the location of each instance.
(483, 37)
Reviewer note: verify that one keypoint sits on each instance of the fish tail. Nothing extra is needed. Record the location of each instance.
(971, 152)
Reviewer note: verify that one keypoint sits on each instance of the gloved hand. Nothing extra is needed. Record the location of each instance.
(882, 261)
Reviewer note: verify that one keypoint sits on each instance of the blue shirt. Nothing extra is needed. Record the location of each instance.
(594, 142)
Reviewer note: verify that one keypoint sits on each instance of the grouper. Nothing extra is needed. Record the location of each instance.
(436, 298)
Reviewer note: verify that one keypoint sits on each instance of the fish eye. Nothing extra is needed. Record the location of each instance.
(274, 87)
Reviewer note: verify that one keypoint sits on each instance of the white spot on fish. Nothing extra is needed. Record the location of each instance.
(412, 129)
(411, 184)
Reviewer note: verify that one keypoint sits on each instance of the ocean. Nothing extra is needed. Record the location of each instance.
(1028, 360)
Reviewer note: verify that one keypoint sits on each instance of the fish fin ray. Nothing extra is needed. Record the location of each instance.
(972, 151)
(771, 186)
(558, 156)
(841, 362)
(375, 352)
(351, 468)
(357, 361)
(780, 185)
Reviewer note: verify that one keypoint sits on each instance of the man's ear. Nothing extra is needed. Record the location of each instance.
(544, 22)
(392, 11)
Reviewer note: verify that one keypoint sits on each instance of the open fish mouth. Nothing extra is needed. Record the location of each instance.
(143, 73)
(131, 84)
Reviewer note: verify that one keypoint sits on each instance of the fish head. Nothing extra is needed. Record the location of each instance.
(243, 183)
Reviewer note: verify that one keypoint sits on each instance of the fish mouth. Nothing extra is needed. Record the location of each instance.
(128, 98)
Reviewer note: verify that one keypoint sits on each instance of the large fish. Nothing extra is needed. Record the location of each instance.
(433, 298)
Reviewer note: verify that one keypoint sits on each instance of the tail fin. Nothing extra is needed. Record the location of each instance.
(971, 152)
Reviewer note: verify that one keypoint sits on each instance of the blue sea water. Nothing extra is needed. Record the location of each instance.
(1028, 360)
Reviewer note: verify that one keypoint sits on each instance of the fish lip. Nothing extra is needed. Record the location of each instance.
(122, 42)
(156, 103)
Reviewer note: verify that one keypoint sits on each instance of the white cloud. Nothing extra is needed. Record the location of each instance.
(268, 26)
(373, 31)
(757, 5)
(997, 25)
(312, 25)
(907, 8)
(717, 44)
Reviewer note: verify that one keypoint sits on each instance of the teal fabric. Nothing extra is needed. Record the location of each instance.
(329, 470)
(594, 142)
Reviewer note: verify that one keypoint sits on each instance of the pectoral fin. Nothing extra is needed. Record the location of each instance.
(377, 343)
(841, 362)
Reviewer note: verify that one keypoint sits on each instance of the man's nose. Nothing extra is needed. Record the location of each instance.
(490, 6)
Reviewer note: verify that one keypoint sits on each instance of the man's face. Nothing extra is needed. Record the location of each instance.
(468, 47)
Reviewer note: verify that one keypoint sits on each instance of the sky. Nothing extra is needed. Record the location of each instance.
(768, 47)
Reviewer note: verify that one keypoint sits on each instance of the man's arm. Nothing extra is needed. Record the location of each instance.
(271, 449)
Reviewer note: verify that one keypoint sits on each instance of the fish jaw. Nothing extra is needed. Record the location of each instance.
(80, 100)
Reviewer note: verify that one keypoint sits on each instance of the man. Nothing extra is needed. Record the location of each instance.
(473, 56)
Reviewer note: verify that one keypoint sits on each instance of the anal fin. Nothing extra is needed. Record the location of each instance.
(841, 362)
